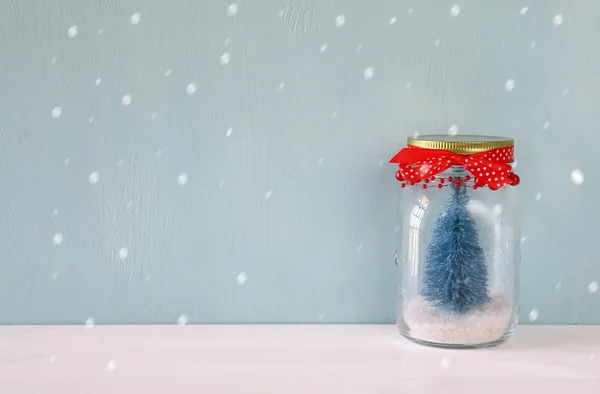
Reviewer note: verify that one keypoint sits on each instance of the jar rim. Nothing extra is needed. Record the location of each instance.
(461, 144)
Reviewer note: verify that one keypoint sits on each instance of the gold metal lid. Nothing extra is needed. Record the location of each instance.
(461, 144)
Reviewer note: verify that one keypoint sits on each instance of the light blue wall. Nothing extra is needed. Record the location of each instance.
(309, 132)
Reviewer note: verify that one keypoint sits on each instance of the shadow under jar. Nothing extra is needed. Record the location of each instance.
(457, 279)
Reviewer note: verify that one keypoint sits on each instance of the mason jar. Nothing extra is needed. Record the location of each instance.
(458, 259)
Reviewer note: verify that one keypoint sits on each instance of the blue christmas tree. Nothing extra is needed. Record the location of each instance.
(455, 272)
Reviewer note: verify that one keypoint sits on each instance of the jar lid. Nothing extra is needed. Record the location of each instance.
(461, 144)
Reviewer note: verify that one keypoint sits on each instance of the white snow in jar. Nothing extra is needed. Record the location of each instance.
(73, 31)
(453, 130)
(90, 322)
(191, 88)
(524, 10)
(123, 253)
(232, 9)
(445, 363)
(225, 58)
(369, 72)
(340, 20)
(593, 287)
(182, 320)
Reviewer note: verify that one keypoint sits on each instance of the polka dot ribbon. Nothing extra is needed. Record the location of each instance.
(489, 168)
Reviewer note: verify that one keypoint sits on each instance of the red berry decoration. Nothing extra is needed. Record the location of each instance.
(450, 179)
(433, 178)
(399, 176)
(403, 185)
(426, 180)
(411, 183)
(467, 178)
(424, 186)
(474, 187)
(440, 185)
(515, 180)
(442, 180)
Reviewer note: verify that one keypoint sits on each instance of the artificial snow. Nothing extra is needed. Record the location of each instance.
(486, 323)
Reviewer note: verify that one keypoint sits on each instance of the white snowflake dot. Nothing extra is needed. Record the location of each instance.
(98, 81)
(546, 125)
(123, 253)
(523, 239)
(56, 112)
(229, 132)
(359, 247)
(100, 32)
(54, 276)
(340, 20)
(577, 177)
(190, 88)
(593, 287)
(182, 320)
(182, 179)
(94, 178)
(268, 194)
(232, 9)
(497, 210)
(558, 20)
(90, 322)
(159, 153)
(436, 42)
(445, 363)
(455, 10)
(241, 278)
(111, 366)
(509, 85)
(538, 197)
(524, 10)
(135, 18)
(533, 315)
(225, 58)
(453, 130)
(57, 239)
(72, 32)
(90, 120)
(54, 59)
(533, 44)
(168, 72)
(126, 100)
(321, 160)
(408, 85)
(323, 48)
(334, 114)
(393, 20)
(558, 286)
(359, 48)
(222, 183)
(281, 85)
(410, 10)
(67, 161)
(369, 72)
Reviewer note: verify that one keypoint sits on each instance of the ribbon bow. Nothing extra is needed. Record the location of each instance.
(489, 167)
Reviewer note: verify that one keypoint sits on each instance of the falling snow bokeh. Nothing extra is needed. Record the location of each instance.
(233, 142)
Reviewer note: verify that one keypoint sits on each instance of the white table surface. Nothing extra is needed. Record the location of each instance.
(289, 359)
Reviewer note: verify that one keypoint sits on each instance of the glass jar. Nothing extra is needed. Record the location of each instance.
(458, 262)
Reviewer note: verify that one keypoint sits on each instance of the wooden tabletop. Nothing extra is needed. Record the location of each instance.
(289, 359)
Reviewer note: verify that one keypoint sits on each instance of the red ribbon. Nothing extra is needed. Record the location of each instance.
(489, 168)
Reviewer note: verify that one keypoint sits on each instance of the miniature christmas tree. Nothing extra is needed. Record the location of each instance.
(455, 271)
